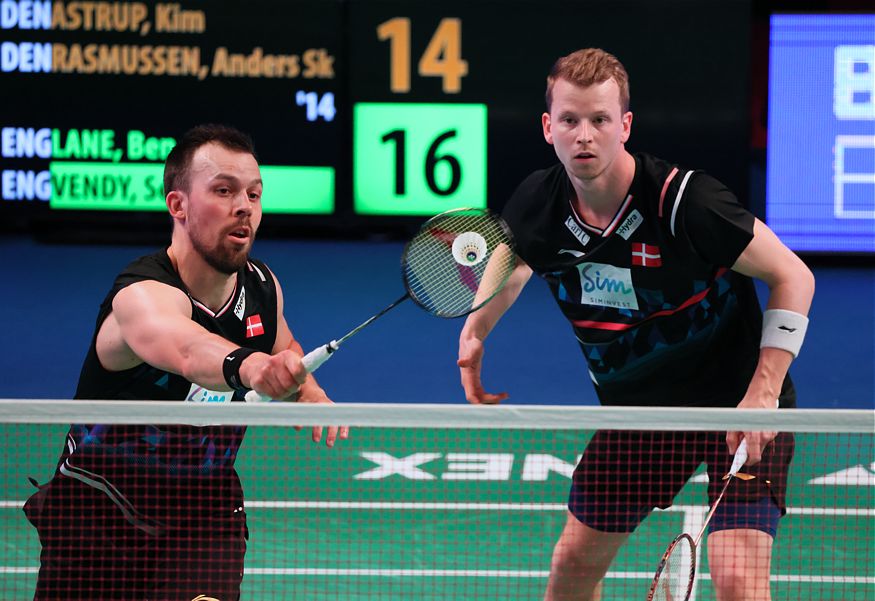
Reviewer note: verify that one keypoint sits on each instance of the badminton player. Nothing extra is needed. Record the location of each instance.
(149, 512)
(652, 263)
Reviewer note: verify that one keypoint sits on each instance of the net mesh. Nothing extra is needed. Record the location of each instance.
(673, 579)
(422, 502)
(458, 261)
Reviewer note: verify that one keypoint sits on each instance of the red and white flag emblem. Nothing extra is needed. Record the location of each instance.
(253, 326)
(646, 255)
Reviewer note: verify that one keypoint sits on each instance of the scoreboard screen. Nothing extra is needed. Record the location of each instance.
(820, 187)
(95, 94)
(364, 112)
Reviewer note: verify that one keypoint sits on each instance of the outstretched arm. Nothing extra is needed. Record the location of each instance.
(151, 322)
(791, 288)
(477, 328)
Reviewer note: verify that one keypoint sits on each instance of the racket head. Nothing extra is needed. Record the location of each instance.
(676, 571)
(458, 261)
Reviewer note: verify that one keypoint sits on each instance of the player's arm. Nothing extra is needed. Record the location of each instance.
(791, 289)
(151, 322)
(476, 329)
(310, 391)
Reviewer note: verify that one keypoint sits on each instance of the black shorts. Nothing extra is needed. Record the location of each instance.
(91, 552)
(623, 475)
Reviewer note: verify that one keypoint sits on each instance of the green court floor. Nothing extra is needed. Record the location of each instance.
(436, 514)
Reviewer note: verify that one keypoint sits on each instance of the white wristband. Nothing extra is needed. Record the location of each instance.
(784, 330)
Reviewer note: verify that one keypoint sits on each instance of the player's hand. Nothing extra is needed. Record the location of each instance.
(278, 376)
(756, 441)
(312, 393)
(470, 360)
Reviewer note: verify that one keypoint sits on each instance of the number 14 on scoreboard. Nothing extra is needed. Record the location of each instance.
(442, 57)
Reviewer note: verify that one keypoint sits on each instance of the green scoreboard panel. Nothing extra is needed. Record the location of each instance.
(418, 159)
(364, 112)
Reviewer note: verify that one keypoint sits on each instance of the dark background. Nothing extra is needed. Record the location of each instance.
(689, 63)
(699, 81)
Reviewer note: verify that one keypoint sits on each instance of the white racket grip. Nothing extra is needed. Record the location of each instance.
(311, 362)
(254, 397)
(315, 358)
(740, 457)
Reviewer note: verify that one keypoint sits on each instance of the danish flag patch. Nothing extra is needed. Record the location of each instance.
(646, 255)
(254, 326)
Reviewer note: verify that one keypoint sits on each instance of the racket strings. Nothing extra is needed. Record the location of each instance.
(457, 262)
(674, 581)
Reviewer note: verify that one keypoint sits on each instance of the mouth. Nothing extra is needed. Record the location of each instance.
(240, 234)
(584, 156)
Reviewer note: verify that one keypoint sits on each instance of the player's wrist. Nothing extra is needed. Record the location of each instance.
(784, 330)
(472, 335)
(231, 368)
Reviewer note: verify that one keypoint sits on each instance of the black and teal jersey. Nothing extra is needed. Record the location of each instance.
(129, 463)
(660, 316)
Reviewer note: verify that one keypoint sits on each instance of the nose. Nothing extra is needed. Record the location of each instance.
(584, 134)
(242, 205)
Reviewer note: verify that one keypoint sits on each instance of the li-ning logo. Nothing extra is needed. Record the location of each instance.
(606, 286)
(240, 307)
(574, 253)
(576, 230)
(786, 329)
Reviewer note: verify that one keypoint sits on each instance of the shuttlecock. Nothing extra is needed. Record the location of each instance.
(469, 248)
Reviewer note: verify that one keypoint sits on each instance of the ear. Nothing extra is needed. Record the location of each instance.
(547, 127)
(627, 126)
(176, 204)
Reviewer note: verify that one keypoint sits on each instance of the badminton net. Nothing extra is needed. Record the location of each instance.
(421, 502)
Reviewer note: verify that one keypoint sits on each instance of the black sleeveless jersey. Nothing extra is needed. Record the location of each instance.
(659, 315)
(191, 466)
(248, 319)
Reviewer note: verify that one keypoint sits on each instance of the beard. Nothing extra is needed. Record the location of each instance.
(222, 256)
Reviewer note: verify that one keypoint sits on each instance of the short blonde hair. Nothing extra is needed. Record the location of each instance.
(587, 67)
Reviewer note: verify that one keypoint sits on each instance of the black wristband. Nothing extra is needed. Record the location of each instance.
(231, 367)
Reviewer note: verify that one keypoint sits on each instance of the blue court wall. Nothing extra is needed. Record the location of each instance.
(51, 294)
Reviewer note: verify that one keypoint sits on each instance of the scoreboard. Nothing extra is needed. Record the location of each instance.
(821, 155)
(364, 112)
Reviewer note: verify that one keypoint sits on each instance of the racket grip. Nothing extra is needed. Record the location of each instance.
(315, 358)
(740, 457)
(311, 362)
(254, 397)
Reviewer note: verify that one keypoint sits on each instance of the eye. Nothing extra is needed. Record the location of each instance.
(223, 190)
(255, 196)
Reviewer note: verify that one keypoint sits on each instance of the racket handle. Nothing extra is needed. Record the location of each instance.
(740, 457)
(315, 358)
(311, 362)
(254, 397)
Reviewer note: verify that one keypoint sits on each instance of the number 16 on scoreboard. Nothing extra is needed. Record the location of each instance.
(418, 159)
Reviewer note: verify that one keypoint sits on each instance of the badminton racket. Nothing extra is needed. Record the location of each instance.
(456, 263)
(676, 571)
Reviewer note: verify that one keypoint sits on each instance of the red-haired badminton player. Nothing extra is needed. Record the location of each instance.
(652, 264)
(156, 512)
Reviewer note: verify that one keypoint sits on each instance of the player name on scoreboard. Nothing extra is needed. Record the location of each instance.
(153, 59)
(87, 170)
(125, 59)
(168, 17)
